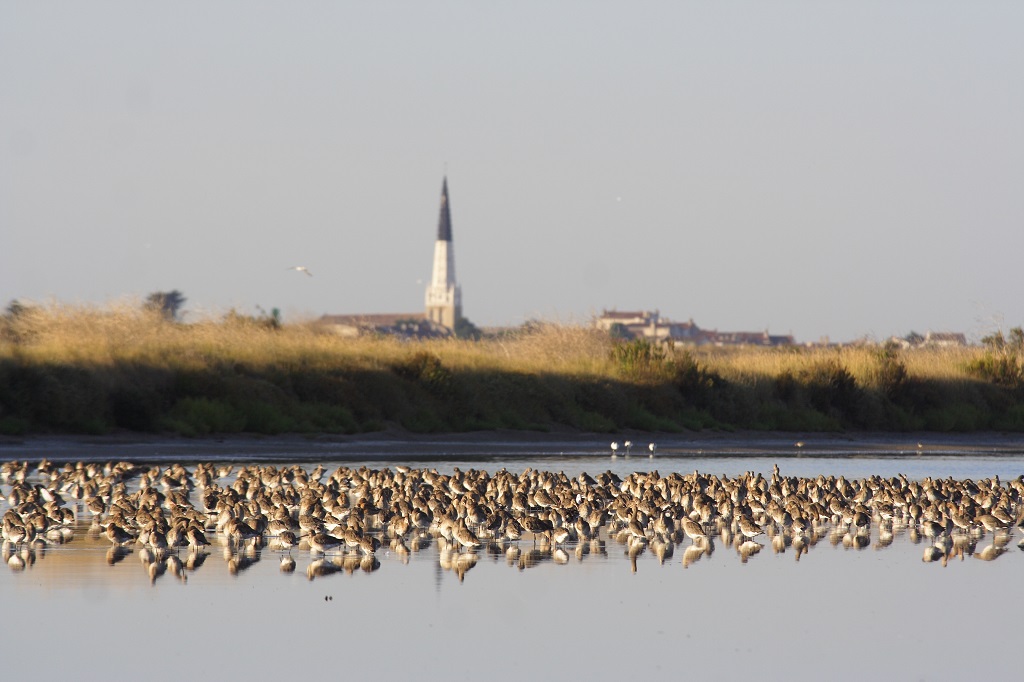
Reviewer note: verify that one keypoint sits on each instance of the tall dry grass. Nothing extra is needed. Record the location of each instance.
(747, 365)
(97, 336)
(70, 367)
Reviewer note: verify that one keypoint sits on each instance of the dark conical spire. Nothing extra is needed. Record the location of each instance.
(444, 223)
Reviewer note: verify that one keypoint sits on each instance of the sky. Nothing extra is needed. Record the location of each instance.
(811, 168)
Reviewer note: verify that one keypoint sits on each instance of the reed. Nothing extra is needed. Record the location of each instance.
(81, 369)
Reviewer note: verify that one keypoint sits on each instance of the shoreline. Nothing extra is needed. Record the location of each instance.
(397, 445)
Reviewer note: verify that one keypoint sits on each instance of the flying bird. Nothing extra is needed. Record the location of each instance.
(301, 268)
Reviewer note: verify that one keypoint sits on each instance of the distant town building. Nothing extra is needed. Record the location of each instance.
(752, 339)
(931, 340)
(405, 325)
(443, 296)
(945, 339)
(646, 324)
(650, 325)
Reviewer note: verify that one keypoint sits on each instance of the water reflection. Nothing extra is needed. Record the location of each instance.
(173, 517)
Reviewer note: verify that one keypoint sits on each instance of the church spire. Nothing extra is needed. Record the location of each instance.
(444, 222)
(444, 296)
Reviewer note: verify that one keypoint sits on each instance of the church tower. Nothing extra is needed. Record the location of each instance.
(444, 296)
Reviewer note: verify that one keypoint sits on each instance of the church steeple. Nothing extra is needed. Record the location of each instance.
(444, 223)
(444, 296)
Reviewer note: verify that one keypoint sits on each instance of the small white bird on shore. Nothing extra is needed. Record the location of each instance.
(652, 447)
(615, 449)
(301, 268)
(629, 446)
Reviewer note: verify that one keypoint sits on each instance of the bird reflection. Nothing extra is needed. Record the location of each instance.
(933, 553)
(350, 563)
(116, 553)
(532, 558)
(692, 554)
(155, 569)
(748, 549)
(856, 540)
(662, 550)
(800, 546)
(990, 553)
(195, 559)
(463, 563)
(962, 545)
(885, 538)
(320, 568)
(635, 550)
(176, 568)
(241, 562)
(18, 561)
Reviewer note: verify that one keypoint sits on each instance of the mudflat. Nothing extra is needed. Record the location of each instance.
(398, 444)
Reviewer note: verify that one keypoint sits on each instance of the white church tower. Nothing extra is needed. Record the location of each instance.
(444, 296)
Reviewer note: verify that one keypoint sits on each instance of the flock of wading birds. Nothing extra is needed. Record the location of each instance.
(341, 519)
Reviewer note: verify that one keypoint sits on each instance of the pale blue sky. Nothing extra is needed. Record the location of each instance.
(815, 168)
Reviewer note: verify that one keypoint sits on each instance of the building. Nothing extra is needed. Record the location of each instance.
(752, 339)
(651, 325)
(931, 340)
(646, 324)
(443, 297)
(402, 325)
(945, 340)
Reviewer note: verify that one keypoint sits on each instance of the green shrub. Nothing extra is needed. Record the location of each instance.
(1001, 367)
(587, 420)
(265, 418)
(135, 409)
(797, 419)
(203, 416)
(695, 383)
(1011, 420)
(426, 369)
(956, 418)
(424, 421)
(787, 388)
(890, 375)
(831, 388)
(313, 417)
(640, 359)
(13, 426)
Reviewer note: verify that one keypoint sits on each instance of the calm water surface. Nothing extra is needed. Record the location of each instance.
(834, 611)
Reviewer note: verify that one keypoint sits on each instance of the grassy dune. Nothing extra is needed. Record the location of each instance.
(89, 370)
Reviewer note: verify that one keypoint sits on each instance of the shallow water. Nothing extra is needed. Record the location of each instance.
(835, 611)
